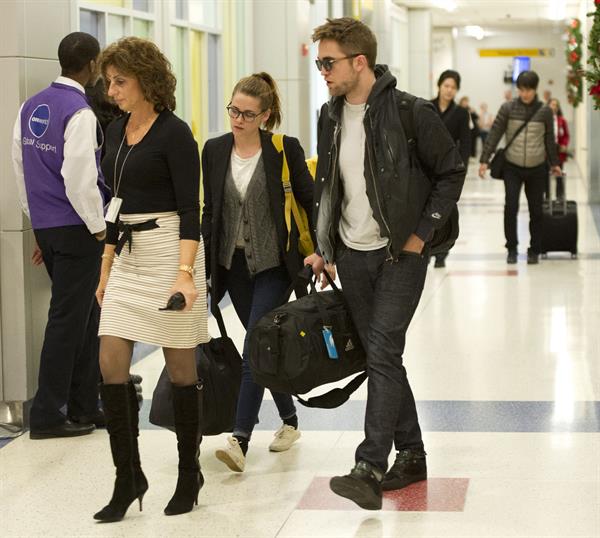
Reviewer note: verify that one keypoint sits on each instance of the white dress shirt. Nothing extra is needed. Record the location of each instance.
(79, 169)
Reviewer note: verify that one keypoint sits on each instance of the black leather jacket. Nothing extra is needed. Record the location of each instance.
(410, 191)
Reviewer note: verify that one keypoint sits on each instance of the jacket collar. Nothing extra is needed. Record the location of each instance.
(384, 80)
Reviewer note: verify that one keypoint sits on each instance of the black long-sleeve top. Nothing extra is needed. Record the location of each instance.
(161, 173)
(456, 120)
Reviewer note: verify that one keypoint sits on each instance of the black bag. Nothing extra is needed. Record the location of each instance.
(498, 161)
(288, 352)
(220, 371)
(559, 227)
(443, 238)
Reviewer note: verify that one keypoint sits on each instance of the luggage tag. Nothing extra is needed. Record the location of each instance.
(112, 212)
(329, 343)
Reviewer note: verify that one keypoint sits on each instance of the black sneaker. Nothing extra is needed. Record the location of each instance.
(512, 257)
(362, 485)
(532, 257)
(410, 466)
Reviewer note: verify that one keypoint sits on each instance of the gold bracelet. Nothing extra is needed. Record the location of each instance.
(187, 269)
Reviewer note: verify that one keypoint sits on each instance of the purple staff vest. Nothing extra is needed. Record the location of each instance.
(44, 118)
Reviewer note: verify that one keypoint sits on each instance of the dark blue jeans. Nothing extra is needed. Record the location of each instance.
(252, 298)
(383, 297)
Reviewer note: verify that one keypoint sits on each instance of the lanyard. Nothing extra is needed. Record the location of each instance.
(116, 181)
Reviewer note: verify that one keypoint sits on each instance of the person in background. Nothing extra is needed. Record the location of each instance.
(457, 121)
(485, 122)
(547, 96)
(153, 251)
(525, 161)
(561, 135)
(105, 110)
(473, 123)
(56, 157)
(508, 95)
(243, 224)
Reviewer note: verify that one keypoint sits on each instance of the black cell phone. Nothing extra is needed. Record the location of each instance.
(175, 302)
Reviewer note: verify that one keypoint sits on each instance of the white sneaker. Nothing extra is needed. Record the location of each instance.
(232, 455)
(285, 437)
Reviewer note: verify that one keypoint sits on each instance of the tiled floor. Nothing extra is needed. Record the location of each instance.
(505, 365)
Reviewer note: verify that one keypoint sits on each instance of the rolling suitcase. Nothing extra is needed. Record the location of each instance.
(559, 229)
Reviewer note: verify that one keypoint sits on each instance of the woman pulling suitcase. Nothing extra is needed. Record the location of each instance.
(243, 226)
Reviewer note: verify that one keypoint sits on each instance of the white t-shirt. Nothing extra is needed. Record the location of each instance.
(358, 228)
(242, 170)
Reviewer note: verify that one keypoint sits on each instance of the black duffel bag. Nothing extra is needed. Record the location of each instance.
(288, 351)
(220, 372)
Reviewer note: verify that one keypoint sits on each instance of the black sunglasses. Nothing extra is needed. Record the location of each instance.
(327, 63)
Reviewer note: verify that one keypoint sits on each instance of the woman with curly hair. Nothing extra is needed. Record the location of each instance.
(153, 251)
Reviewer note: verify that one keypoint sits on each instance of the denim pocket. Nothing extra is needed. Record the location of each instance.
(411, 254)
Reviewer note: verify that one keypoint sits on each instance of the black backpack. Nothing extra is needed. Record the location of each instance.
(445, 237)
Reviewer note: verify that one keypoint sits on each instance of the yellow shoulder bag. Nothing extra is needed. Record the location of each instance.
(305, 244)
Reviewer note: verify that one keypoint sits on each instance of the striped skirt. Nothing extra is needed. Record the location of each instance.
(140, 282)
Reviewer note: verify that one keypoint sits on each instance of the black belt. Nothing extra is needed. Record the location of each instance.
(127, 229)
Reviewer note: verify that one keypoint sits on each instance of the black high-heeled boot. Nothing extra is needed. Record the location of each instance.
(187, 406)
(121, 410)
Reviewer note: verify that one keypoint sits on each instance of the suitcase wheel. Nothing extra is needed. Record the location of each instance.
(544, 256)
(573, 255)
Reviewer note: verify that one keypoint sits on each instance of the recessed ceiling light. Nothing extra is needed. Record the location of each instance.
(448, 5)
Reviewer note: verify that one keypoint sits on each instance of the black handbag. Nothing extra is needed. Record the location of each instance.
(498, 161)
(288, 350)
(220, 372)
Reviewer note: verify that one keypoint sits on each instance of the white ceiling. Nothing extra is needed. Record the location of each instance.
(496, 13)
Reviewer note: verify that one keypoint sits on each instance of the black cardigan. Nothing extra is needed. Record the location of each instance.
(216, 157)
(456, 120)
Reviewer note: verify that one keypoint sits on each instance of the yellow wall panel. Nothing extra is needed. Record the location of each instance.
(107, 3)
(199, 87)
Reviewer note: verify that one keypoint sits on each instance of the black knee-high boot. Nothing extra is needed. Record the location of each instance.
(187, 406)
(121, 411)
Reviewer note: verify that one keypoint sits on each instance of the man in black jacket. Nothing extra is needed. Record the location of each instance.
(525, 160)
(375, 211)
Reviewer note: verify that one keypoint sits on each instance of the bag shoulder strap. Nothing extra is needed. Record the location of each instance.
(523, 125)
(334, 397)
(216, 312)
(277, 140)
(406, 102)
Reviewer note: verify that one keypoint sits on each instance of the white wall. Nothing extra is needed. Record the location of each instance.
(390, 26)
(280, 30)
(31, 31)
(419, 50)
(442, 52)
(482, 77)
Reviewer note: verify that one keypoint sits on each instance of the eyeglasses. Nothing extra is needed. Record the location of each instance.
(327, 63)
(248, 115)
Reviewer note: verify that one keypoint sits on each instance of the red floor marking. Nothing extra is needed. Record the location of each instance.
(506, 272)
(432, 495)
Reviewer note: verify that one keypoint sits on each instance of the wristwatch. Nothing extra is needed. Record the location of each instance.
(188, 269)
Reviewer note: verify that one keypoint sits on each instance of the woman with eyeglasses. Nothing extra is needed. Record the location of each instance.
(243, 227)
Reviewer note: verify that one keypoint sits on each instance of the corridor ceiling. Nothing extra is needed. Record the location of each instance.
(497, 13)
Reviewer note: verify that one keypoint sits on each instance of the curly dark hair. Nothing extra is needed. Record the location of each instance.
(142, 59)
